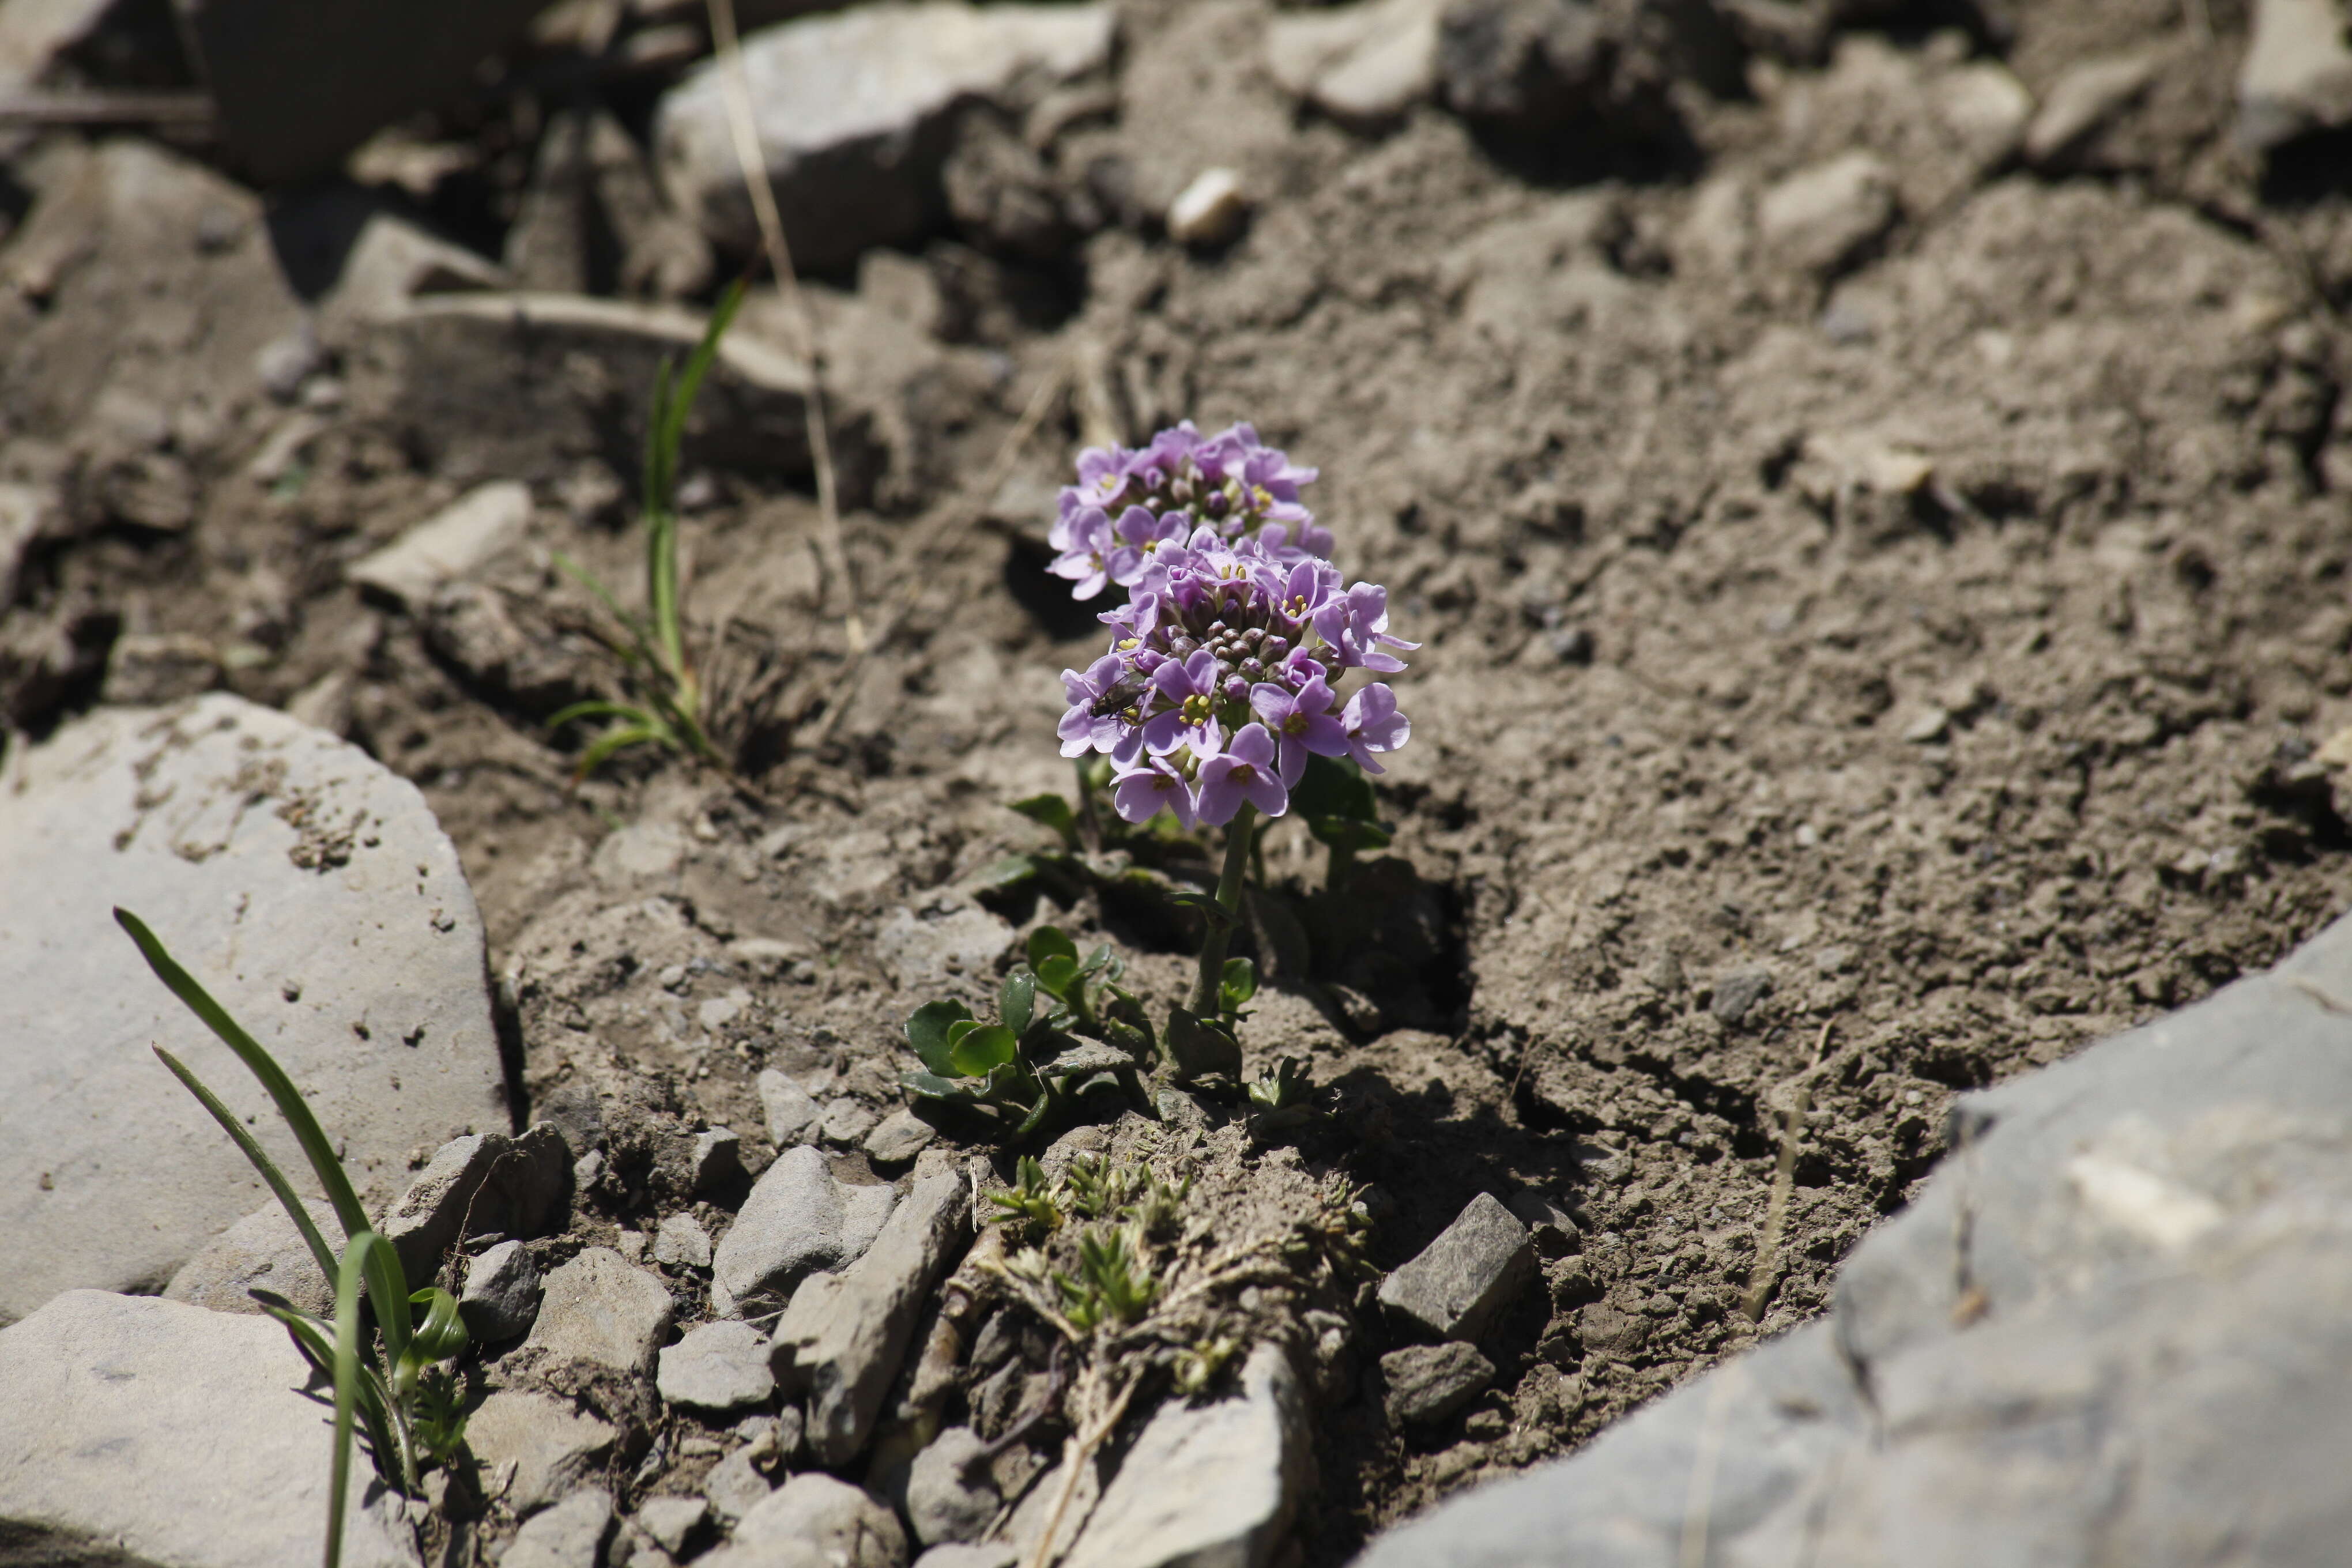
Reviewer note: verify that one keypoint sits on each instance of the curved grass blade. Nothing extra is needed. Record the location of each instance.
(595, 708)
(365, 1246)
(261, 1162)
(618, 738)
(288, 1098)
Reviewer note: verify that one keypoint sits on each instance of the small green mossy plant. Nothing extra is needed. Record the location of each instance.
(666, 706)
(1064, 1025)
(387, 1353)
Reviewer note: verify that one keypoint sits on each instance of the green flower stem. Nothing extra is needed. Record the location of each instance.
(1228, 898)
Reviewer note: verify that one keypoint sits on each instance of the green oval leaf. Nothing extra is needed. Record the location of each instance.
(1058, 974)
(1239, 985)
(1048, 942)
(927, 1031)
(979, 1052)
(1016, 1000)
(932, 1086)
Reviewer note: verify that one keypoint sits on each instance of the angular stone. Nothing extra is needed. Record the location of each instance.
(1554, 1229)
(898, 1138)
(130, 1420)
(501, 1294)
(1360, 64)
(791, 1114)
(715, 1159)
(736, 1485)
(815, 1520)
(452, 544)
(2143, 1343)
(671, 1520)
(2296, 76)
(1819, 219)
(682, 1243)
(1474, 1267)
(798, 1220)
(552, 1447)
(1429, 1383)
(34, 32)
(2085, 98)
(716, 1366)
(854, 112)
(846, 1122)
(1216, 1483)
(569, 1535)
(951, 1495)
(310, 889)
(262, 1251)
(1210, 210)
(841, 1341)
(934, 943)
(601, 1308)
(481, 1185)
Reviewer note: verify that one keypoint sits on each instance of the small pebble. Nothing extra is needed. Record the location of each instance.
(1208, 211)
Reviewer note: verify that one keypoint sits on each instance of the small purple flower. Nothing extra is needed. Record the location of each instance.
(1141, 536)
(1373, 724)
(1244, 770)
(1185, 706)
(1357, 624)
(1141, 794)
(1301, 721)
(1085, 546)
(1081, 730)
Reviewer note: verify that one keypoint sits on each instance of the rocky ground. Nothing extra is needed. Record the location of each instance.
(1869, 480)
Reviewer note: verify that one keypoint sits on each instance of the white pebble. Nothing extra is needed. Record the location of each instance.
(1209, 210)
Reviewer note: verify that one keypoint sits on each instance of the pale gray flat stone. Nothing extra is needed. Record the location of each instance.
(552, 1447)
(569, 1535)
(716, 1366)
(484, 1183)
(736, 1485)
(151, 1431)
(602, 1307)
(1216, 1483)
(2296, 76)
(852, 110)
(682, 1243)
(447, 547)
(951, 1495)
(671, 1519)
(798, 1220)
(814, 1522)
(842, 1339)
(261, 1251)
(307, 887)
(791, 1114)
(2116, 1325)
(898, 1138)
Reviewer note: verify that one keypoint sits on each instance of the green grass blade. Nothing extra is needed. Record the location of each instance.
(260, 1160)
(365, 1245)
(666, 434)
(595, 584)
(597, 708)
(616, 739)
(288, 1099)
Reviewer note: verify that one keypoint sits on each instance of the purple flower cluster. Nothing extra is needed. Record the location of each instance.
(1223, 676)
(1128, 504)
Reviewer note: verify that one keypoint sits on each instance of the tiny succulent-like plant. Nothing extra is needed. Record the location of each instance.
(1063, 1023)
(388, 1353)
(666, 702)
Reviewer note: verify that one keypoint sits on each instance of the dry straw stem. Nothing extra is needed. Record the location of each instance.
(745, 133)
(1766, 1272)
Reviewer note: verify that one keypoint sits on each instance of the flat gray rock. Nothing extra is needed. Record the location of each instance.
(853, 111)
(671, 1519)
(602, 1307)
(501, 1295)
(814, 1522)
(1429, 1383)
(131, 1423)
(1215, 1483)
(736, 1485)
(951, 1495)
(307, 887)
(550, 1446)
(843, 1338)
(447, 547)
(1458, 1282)
(791, 1114)
(569, 1535)
(262, 1251)
(2296, 76)
(682, 1243)
(716, 1366)
(2137, 1348)
(484, 1183)
(898, 1138)
(797, 1221)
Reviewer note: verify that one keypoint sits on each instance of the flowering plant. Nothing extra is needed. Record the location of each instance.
(1127, 504)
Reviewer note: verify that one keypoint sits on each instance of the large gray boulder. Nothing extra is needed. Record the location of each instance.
(2115, 1327)
(146, 1431)
(855, 113)
(310, 889)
